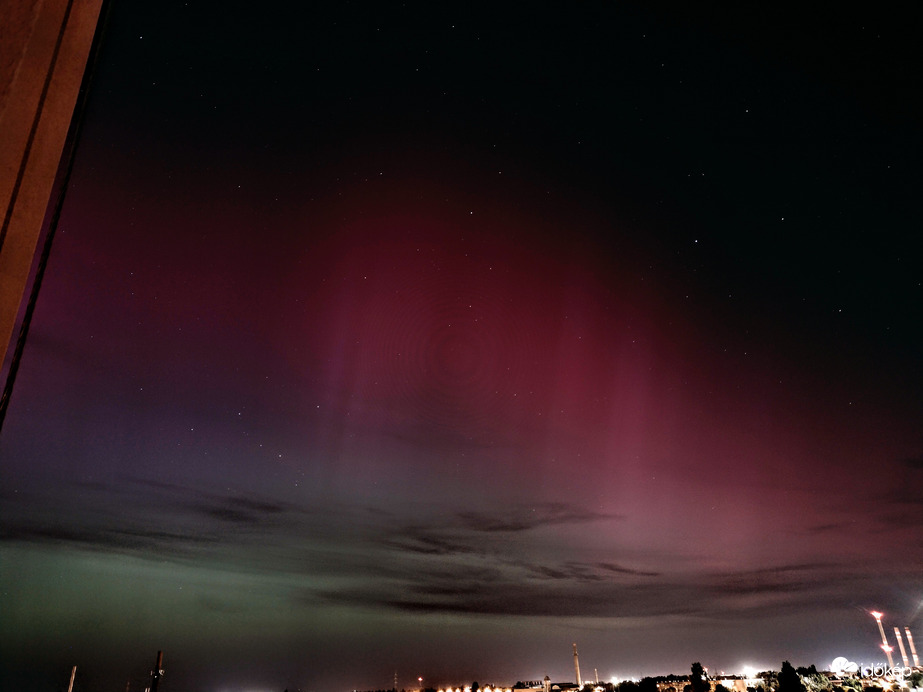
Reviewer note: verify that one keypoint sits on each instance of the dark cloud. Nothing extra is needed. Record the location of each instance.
(470, 607)
(829, 527)
(261, 506)
(231, 514)
(551, 572)
(586, 572)
(527, 518)
(608, 566)
(146, 523)
(243, 510)
(454, 588)
(793, 569)
(506, 595)
(474, 562)
(470, 533)
(105, 538)
(749, 584)
(495, 584)
(420, 541)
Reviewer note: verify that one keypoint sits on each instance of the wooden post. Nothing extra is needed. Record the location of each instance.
(157, 673)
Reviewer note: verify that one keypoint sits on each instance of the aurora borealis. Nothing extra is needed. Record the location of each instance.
(436, 339)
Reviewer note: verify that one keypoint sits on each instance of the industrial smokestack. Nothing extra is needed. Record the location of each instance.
(884, 640)
(913, 649)
(157, 673)
(577, 667)
(900, 645)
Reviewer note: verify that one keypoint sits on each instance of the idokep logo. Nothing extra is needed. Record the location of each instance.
(882, 671)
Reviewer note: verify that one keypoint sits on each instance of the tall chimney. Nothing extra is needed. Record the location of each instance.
(577, 667)
(913, 649)
(884, 640)
(900, 644)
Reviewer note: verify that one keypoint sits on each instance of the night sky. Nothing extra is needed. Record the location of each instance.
(437, 338)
